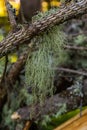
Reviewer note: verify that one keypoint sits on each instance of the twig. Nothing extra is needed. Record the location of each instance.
(71, 71)
(75, 47)
(27, 125)
(11, 14)
(77, 34)
(15, 70)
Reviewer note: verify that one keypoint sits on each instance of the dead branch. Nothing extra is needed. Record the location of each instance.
(25, 33)
(71, 71)
(52, 105)
(15, 70)
(79, 48)
(11, 14)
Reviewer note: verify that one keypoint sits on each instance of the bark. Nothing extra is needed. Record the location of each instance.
(52, 105)
(15, 70)
(24, 34)
(10, 80)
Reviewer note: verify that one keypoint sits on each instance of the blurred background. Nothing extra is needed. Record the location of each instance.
(46, 4)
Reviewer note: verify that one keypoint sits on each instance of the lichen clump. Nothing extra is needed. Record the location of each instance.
(40, 66)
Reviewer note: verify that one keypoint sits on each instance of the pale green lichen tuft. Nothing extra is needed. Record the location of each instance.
(40, 66)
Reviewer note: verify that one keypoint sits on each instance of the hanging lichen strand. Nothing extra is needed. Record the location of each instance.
(40, 66)
(39, 75)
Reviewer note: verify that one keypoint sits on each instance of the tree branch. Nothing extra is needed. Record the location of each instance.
(25, 33)
(79, 48)
(11, 14)
(67, 70)
(52, 105)
(15, 70)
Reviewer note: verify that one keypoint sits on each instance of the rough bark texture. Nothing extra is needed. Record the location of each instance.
(25, 33)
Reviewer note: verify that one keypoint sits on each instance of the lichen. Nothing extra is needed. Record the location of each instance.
(40, 67)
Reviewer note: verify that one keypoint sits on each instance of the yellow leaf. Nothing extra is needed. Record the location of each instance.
(13, 58)
(44, 6)
(55, 3)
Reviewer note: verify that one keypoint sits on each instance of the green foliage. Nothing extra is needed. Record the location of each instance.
(81, 62)
(7, 117)
(47, 119)
(80, 39)
(55, 121)
(62, 110)
(77, 90)
(16, 98)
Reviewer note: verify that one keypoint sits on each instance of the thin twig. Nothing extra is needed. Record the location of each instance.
(75, 47)
(71, 71)
(11, 14)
